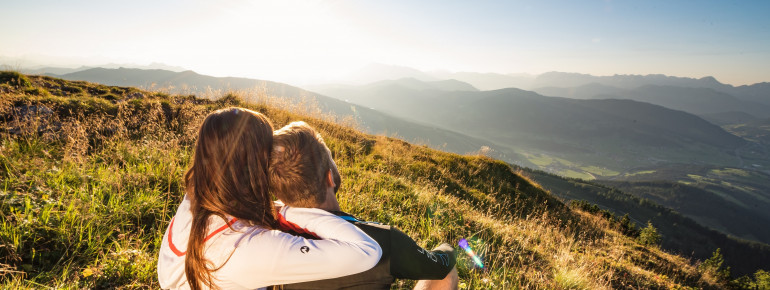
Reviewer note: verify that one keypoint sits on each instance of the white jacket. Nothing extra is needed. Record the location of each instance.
(263, 257)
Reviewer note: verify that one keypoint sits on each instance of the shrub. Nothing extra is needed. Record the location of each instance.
(72, 89)
(627, 227)
(230, 100)
(761, 281)
(713, 267)
(649, 235)
(15, 79)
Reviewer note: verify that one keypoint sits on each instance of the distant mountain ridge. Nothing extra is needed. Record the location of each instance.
(375, 72)
(55, 70)
(404, 83)
(370, 120)
(695, 100)
(412, 83)
(757, 93)
(565, 80)
(177, 82)
(513, 109)
(489, 81)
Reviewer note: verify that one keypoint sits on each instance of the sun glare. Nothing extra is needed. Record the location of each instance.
(280, 40)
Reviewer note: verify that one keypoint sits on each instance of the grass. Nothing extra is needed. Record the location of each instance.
(567, 168)
(91, 176)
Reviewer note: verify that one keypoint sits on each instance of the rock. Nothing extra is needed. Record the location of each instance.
(31, 111)
(136, 95)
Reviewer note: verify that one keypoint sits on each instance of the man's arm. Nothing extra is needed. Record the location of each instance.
(410, 261)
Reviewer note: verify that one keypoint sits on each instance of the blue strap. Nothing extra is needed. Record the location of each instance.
(349, 218)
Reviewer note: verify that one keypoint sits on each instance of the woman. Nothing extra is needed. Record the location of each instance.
(224, 232)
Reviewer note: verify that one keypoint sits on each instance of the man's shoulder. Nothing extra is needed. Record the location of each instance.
(362, 224)
(379, 232)
(373, 226)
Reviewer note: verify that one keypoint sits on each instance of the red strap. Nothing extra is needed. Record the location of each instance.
(288, 226)
(180, 253)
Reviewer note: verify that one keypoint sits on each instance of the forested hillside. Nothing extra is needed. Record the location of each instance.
(681, 233)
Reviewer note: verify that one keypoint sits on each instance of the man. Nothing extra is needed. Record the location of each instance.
(303, 174)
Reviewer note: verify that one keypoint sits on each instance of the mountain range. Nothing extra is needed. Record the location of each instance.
(759, 93)
(606, 133)
(369, 120)
(519, 125)
(697, 167)
(580, 138)
(695, 100)
(756, 93)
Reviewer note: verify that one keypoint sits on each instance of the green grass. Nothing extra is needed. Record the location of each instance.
(87, 191)
(731, 172)
(643, 172)
(569, 173)
(570, 279)
(569, 169)
(601, 171)
(14, 79)
(540, 159)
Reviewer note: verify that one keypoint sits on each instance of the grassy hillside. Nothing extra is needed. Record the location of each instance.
(680, 232)
(91, 174)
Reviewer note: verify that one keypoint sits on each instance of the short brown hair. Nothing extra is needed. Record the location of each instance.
(298, 166)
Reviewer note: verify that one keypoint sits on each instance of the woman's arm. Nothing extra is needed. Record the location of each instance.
(274, 257)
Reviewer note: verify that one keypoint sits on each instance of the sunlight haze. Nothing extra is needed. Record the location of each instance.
(322, 41)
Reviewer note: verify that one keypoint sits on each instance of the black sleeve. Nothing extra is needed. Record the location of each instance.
(410, 261)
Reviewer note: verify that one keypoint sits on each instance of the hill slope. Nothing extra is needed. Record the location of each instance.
(578, 138)
(91, 176)
(730, 210)
(681, 233)
(756, 130)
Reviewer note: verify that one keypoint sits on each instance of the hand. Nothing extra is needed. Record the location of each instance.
(278, 205)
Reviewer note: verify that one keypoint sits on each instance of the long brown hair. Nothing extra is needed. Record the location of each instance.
(228, 176)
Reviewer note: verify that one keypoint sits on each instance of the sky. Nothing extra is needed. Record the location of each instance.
(316, 41)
